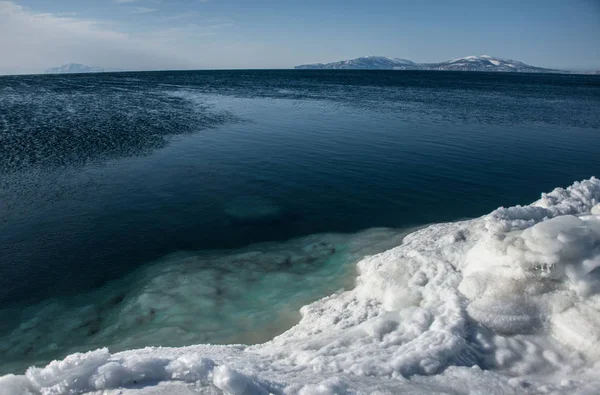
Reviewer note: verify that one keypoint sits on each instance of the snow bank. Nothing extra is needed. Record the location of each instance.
(506, 303)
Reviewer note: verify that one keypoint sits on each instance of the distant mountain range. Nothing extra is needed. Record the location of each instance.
(72, 68)
(469, 63)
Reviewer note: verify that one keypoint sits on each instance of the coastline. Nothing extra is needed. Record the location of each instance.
(457, 307)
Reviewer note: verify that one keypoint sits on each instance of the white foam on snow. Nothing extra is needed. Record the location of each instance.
(506, 303)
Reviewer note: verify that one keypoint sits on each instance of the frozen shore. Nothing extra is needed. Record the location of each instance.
(505, 303)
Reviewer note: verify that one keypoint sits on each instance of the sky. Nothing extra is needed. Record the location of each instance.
(246, 34)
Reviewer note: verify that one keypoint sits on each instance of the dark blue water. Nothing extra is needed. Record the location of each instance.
(102, 174)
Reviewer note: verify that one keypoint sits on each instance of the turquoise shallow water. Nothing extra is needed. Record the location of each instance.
(105, 178)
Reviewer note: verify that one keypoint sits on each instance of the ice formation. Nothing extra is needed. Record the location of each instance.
(246, 295)
(506, 303)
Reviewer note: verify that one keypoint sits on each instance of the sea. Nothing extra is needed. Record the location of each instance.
(183, 207)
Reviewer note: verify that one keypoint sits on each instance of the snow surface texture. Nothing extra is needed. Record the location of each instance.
(506, 303)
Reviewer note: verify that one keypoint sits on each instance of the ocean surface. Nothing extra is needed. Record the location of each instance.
(176, 208)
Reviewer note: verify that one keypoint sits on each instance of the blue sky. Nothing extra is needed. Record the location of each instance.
(200, 34)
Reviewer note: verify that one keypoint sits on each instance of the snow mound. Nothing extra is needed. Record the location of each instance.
(506, 303)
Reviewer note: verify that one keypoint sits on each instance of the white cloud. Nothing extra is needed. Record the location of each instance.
(31, 42)
(220, 21)
(124, 1)
(181, 15)
(143, 10)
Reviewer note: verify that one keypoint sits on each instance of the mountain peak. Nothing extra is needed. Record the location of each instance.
(364, 63)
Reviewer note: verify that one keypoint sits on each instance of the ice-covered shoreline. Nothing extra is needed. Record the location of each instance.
(505, 303)
(236, 296)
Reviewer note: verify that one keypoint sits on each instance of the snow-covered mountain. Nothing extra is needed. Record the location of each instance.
(72, 68)
(469, 63)
(485, 63)
(364, 63)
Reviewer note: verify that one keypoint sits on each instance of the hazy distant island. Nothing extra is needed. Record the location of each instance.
(74, 68)
(469, 63)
